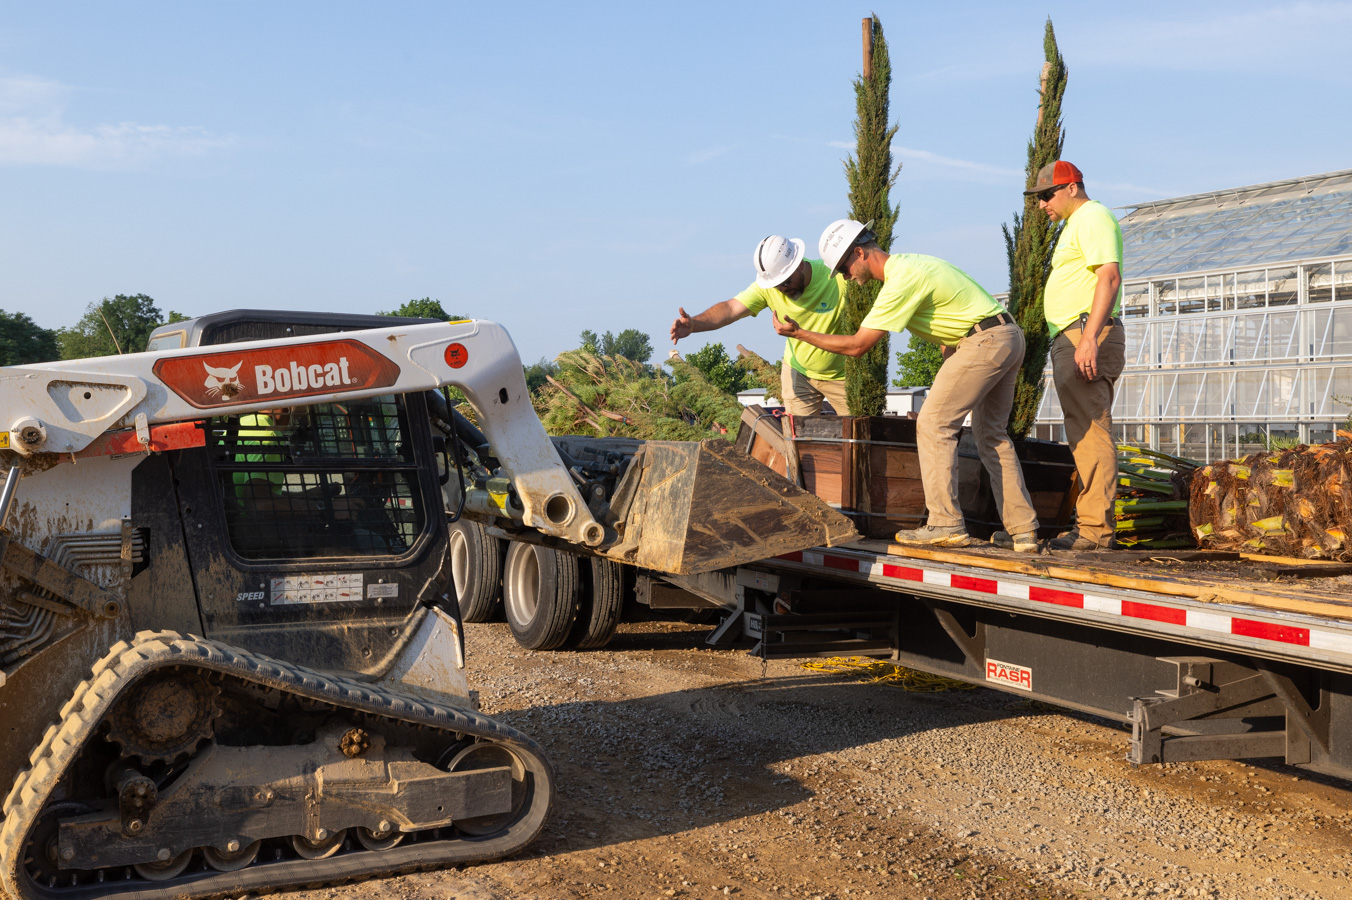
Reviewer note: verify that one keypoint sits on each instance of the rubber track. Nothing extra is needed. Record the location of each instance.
(148, 650)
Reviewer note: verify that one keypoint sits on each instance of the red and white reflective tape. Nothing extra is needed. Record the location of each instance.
(885, 570)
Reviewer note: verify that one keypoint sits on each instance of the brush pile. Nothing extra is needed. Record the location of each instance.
(1293, 502)
(1151, 510)
(613, 396)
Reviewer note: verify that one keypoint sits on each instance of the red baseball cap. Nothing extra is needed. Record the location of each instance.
(1053, 174)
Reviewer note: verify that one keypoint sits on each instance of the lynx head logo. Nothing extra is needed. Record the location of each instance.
(223, 382)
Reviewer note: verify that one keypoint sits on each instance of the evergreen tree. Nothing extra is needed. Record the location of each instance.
(1030, 243)
(870, 175)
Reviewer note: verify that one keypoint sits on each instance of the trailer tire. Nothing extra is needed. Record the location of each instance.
(604, 590)
(476, 570)
(540, 589)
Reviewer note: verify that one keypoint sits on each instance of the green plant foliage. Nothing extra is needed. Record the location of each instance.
(613, 396)
(718, 368)
(871, 175)
(120, 324)
(24, 341)
(760, 373)
(918, 365)
(1029, 244)
(424, 308)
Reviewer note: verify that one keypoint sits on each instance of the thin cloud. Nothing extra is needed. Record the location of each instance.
(34, 132)
(962, 169)
(977, 171)
(704, 156)
(984, 173)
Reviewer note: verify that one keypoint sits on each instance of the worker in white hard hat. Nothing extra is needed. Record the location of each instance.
(791, 286)
(982, 347)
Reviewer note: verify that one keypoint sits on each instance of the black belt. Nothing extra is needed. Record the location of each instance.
(1084, 317)
(992, 322)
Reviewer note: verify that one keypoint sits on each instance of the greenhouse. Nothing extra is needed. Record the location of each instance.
(1237, 306)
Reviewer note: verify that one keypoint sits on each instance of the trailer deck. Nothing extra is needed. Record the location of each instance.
(1280, 608)
(1206, 655)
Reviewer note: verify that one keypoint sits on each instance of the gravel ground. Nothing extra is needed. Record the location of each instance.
(692, 773)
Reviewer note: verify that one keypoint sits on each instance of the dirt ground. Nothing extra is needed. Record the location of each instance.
(692, 773)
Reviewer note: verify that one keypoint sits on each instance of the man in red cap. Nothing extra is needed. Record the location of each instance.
(1081, 301)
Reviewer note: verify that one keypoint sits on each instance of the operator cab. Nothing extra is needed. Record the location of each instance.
(304, 514)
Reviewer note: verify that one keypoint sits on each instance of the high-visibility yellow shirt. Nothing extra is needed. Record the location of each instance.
(932, 298)
(1090, 238)
(820, 309)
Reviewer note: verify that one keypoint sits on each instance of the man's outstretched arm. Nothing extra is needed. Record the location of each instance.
(856, 344)
(711, 319)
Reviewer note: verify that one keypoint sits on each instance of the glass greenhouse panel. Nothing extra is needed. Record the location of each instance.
(1331, 332)
(1251, 289)
(1284, 337)
(1132, 397)
(1319, 281)
(1251, 394)
(1139, 353)
(1285, 394)
(1136, 300)
(1251, 338)
(1283, 286)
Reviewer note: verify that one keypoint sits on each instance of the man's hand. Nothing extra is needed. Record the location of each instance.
(1086, 359)
(946, 351)
(681, 327)
(785, 326)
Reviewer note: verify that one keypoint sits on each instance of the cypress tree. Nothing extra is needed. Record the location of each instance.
(870, 175)
(1030, 243)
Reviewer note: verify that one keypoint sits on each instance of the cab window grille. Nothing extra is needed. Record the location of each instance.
(330, 480)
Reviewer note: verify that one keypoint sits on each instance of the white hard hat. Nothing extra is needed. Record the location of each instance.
(839, 237)
(776, 259)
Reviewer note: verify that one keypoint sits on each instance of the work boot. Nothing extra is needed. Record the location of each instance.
(1073, 540)
(1019, 543)
(936, 536)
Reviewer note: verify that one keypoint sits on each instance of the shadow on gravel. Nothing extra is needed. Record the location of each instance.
(669, 763)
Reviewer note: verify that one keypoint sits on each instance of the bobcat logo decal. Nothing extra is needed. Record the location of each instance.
(223, 382)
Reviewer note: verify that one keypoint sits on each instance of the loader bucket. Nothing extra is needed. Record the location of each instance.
(683, 508)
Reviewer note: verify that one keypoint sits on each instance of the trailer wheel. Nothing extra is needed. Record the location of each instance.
(539, 594)
(604, 590)
(476, 569)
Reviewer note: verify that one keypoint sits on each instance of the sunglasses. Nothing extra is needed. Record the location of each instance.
(1049, 193)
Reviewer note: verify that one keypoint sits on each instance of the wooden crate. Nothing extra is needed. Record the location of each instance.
(1048, 475)
(761, 437)
(868, 468)
(826, 457)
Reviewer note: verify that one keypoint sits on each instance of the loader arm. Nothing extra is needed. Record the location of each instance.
(63, 407)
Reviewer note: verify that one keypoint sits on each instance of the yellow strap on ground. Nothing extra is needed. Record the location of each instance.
(876, 671)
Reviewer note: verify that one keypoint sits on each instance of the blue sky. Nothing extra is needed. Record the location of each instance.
(557, 167)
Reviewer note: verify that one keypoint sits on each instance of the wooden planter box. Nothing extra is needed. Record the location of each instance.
(867, 467)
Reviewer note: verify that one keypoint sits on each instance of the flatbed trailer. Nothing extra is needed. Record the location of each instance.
(1205, 655)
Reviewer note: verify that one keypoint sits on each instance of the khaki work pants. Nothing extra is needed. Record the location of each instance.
(978, 378)
(803, 396)
(1087, 407)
